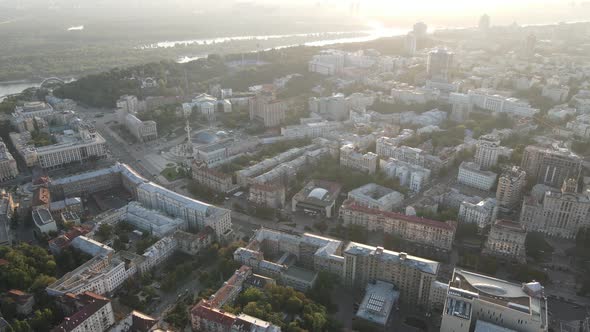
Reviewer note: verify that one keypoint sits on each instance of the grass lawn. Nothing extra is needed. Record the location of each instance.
(170, 173)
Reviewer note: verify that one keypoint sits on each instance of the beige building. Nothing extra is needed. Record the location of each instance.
(7, 207)
(475, 299)
(510, 188)
(423, 231)
(559, 213)
(144, 131)
(351, 158)
(265, 107)
(212, 179)
(506, 240)
(8, 167)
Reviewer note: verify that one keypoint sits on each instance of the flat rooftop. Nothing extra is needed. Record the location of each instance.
(301, 274)
(380, 297)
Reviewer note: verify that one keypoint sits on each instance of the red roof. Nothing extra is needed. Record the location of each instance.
(3, 262)
(203, 311)
(94, 302)
(353, 206)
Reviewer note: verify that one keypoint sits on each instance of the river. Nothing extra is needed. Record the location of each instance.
(9, 88)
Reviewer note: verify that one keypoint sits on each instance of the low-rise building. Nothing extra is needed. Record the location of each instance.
(310, 130)
(473, 298)
(506, 240)
(43, 221)
(157, 253)
(94, 314)
(136, 322)
(90, 246)
(377, 197)
(351, 158)
(379, 301)
(318, 196)
(56, 245)
(436, 234)
(580, 126)
(482, 213)
(470, 174)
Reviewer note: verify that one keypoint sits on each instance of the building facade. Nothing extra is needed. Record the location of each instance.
(351, 158)
(430, 233)
(510, 188)
(473, 299)
(411, 176)
(551, 166)
(8, 167)
(487, 151)
(212, 179)
(470, 174)
(481, 213)
(506, 240)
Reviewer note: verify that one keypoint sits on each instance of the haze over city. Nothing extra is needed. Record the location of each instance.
(296, 166)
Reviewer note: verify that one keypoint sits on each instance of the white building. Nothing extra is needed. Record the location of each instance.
(71, 147)
(142, 130)
(91, 247)
(557, 93)
(128, 103)
(150, 221)
(310, 130)
(333, 108)
(327, 64)
(481, 213)
(100, 275)
(412, 176)
(351, 158)
(95, 314)
(378, 303)
(43, 220)
(485, 99)
(377, 197)
(385, 146)
(474, 298)
(158, 253)
(487, 151)
(470, 174)
(581, 101)
(197, 214)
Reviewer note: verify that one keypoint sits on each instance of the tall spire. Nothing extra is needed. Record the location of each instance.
(189, 142)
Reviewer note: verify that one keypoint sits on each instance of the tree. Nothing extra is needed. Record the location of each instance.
(293, 305)
(104, 231)
(536, 246)
(8, 308)
(21, 326)
(42, 320)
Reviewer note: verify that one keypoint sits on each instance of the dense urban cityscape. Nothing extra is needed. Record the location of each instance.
(435, 181)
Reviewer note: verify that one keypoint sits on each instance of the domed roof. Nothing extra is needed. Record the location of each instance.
(205, 138)
(318, 193)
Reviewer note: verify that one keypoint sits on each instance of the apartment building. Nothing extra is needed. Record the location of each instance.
(471, 174)
(409, 175)
(26, 151)
(334, 108)
(426, 232)
(417, 157)
(357, 264)
(483, 303)
(93, 313)
(157, 253)
(482, 213)
(211, 178)
(265, 107)
(385, 146)
(510, 188)
(486, 99)
(487, 151)
(506, 240)
(558, 213)
(551, 166)
(100, 275)
(143, 131)
(8, 167)
(351, 158)
(269, 195)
